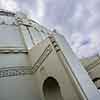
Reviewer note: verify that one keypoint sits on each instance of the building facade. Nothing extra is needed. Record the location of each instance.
(92, 66)
(37, 64)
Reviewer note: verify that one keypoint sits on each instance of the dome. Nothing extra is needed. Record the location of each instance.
(17, 35)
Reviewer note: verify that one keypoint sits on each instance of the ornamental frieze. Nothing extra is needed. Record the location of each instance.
(42, 58)
(15, 71)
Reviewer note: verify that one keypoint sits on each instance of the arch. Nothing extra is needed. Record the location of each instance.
(51, 89)
(96, 79)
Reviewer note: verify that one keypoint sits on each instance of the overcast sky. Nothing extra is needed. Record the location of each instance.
(78, 20)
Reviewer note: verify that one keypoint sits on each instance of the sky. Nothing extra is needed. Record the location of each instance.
(77, 20)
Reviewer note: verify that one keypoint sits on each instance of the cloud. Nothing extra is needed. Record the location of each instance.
(40, 8)
(85, 28)
(35, 9)
(10, 5)
(85, 45)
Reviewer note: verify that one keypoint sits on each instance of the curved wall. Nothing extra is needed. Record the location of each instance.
(16, 76)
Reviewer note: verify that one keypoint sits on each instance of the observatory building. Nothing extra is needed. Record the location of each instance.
(38, 64)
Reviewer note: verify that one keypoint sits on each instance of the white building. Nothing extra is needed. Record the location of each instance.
(38, 65)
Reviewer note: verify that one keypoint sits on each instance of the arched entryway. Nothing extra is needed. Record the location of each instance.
(51, 89)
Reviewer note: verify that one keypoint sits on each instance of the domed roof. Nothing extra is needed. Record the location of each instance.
(14, 26)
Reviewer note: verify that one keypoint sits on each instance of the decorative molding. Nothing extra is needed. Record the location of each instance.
(22, 70)
(26, 70)
(15, 71)
(6, 13)
(93, 65)
(12, 50)
(54, 43)
(21, 22)
(46, 53)
(42, 58)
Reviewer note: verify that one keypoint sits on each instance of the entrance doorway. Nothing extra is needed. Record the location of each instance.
(51, 89)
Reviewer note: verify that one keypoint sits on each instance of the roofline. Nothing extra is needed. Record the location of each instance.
(6, 13)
